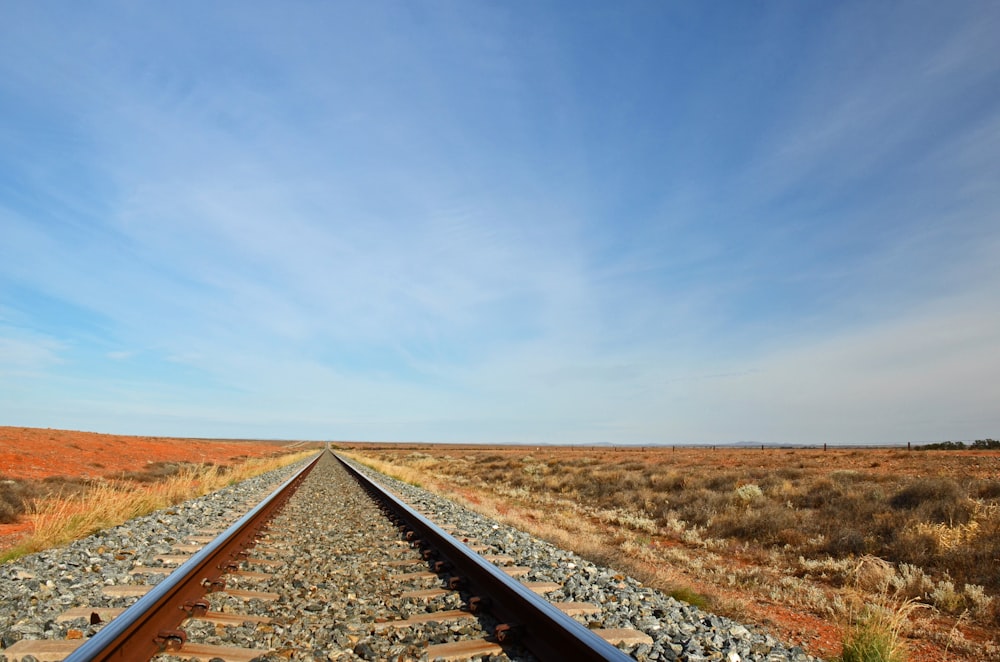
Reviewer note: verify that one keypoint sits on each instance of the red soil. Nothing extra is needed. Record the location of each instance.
(36, 453)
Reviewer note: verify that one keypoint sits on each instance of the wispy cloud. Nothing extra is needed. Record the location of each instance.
(915, 379)
(26, 354)
(399, 222)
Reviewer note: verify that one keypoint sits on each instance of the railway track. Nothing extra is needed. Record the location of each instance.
(333, 566)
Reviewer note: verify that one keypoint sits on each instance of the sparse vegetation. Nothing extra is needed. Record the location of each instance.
(823, 532)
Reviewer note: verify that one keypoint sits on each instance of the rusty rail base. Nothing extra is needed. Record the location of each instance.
(524, 616)
(150, 625)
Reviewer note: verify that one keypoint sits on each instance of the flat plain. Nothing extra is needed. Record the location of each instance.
(802, 541)
(807, 542)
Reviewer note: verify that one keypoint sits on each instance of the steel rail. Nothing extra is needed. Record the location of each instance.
(533, 621)
(150, 625)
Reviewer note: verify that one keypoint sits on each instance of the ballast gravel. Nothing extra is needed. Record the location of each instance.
(340, 562)
(341, 574)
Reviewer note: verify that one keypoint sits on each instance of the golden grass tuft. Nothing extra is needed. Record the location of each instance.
(872, 574)
(877, 634)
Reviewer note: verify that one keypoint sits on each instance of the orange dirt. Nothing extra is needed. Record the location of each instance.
(36, 453)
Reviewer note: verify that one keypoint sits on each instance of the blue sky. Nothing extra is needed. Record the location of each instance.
(634, 222)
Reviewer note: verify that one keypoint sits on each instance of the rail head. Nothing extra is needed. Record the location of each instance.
(541, 627)
(136, 633)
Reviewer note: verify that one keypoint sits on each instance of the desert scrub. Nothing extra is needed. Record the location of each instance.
(842, 527)
(935, 523)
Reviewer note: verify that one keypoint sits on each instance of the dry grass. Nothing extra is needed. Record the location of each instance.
(877, 634)
(820, 532)
(62, 518)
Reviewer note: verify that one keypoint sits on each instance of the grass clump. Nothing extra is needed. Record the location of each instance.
(690, 596)
(877, 635)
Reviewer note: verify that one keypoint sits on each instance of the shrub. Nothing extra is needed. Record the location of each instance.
(846, 477)
(789, 473)
(793, 537)
(699, 506)
(628, 519)
(873, 574)
(153, 472)
(534, 469)
(910, 582)
(976, 561)
(748, 493)
(721, 483)
(846, 542)
(987, 489)
(15, 495)
(9, 512)
(821, 493)
(763, 525)
(672, 481)
(923, 490)
(915, 548)
(979, 603)
(953, 512)
(946, 598)
(947, 538)
(934, 500)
